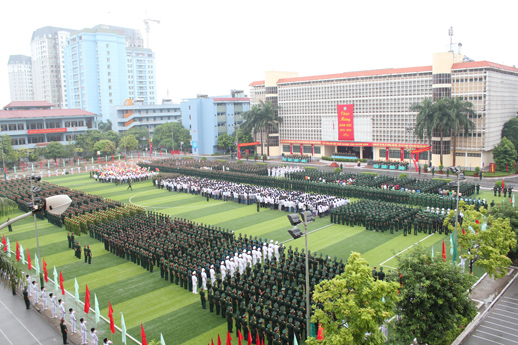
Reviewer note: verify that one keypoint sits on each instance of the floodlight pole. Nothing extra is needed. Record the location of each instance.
(36, 229)
(308, 306)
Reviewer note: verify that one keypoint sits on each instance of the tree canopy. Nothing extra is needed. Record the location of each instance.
(433, 299)
(163, 136)
(10, 154)
(129, 141)
(506, 210)
(510, 131)
(55, 150)
(504, 154)
(107, 147)
(485, 240)
(260, 118)
(105, 126)
(353, 304)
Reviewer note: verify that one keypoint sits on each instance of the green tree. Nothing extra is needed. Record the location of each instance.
(425, 120)
(486, 241)
(504, 154)
(163, 136)
(226, 142)
(510, 131)
(105, 126)
(141, 134)
(506, 210)
(460, 112)
(353, 304)
(443, 121)
(129, 141)
(106, 147)
(55, 150)
(112, 136)
(260, 118)
(86, 141)
(10, 154)
(433, 299)
(244, 136)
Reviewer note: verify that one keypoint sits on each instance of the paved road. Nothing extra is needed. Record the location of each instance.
(21, 326)
(500, 325)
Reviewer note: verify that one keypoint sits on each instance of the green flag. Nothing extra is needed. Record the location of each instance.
(97, 311)
(8, 248)
(76, 286)
(37, 264)
(22, 255)
(56, 282)
(162, 341)
(295, 342)
(123, 327)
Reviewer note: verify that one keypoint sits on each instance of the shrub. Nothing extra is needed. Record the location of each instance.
(221, 160)
(448, 180)
(477, 170)
(239, 162)
(261, 163)
(370, 173)
(425, 167)
(403, 175)
(498, 184)
(310, 168)
(187, 157)
(337, 170)
(203, 158)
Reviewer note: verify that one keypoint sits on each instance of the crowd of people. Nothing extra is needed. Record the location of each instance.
(119, 175)
(267, 197)
(256, 284)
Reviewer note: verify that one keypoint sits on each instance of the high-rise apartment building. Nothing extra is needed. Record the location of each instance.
(48, 66)
(96, 70)
(134, 38)
(19, 69)
(141, 74)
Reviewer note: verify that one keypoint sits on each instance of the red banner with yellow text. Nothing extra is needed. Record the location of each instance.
(345, 122)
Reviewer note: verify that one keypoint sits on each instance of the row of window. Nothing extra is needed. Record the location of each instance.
(305, 149)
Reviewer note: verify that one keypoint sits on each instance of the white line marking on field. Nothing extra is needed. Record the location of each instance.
(310, 232)
(404, 250)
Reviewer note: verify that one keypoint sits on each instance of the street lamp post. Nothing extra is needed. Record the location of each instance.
(409, 129)
(460, 176)
(295, 233)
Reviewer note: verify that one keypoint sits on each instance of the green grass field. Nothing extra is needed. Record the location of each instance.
(163, 307)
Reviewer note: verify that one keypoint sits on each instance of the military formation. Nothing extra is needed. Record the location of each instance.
(255, 284)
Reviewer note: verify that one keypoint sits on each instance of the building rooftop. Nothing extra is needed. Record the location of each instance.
(16, 59)
(28, 104)
(230, 99)
(25, 114)
(48, 31)
(389, 71)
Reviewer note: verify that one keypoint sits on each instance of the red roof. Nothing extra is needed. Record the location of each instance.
(255, 83)
(21, 114)
(358, 74)
(243, 99)
(28, 104)
(478, 64)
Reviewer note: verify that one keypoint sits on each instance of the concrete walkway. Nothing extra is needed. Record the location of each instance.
(19, 325)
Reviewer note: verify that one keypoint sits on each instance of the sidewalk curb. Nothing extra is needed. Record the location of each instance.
(476, 321)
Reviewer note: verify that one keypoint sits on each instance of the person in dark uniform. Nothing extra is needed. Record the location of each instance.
(203, 299)
(230, 319)
(26, 298)
(374, 274)
(129, 185)
(381, 274)
(89, 255)
(86, 254)
(10, 227)
(64, 331)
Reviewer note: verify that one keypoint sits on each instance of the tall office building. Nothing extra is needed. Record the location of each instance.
(96, 70)
(374, 109)
(134, 38)
(141, 74)
(47, 45)
(19, 69)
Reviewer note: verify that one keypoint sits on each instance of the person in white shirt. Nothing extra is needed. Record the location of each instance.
(203, 279)
(73, 319)
(194, 283)
(93, 336)
(84, 331)
(212, 274)
(54, 304)
(62, 308)
(44, 298)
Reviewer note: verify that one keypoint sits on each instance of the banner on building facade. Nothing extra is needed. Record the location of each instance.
(46, 130)
(345, 122)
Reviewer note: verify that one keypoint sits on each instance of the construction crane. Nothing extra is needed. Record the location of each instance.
(147, 22)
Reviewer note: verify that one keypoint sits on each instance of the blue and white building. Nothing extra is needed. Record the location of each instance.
(209, 117)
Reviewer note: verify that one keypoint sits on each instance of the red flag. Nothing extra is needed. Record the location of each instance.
(262, 341)
(257, 340)
(45, 271)
(4, 242)
(142, 334)
(17, 252)
(320, 334)
(112, 324)
(219, 340)
(249, 338)
(463, 231)
(229, 339)
(443, 250)
(239, 337)
(61, 283)
(87, 300)
(503, 183)
(29, 259)
(211, 341)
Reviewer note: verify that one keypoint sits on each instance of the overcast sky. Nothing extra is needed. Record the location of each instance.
(211, 47)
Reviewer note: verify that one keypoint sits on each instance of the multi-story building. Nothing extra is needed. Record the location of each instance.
(48, 66)
(96, 70)
(138, 114)
(35, 123)
(378, 108)
(209, 117)
(19, 69)
(134, 38)
(141, 74)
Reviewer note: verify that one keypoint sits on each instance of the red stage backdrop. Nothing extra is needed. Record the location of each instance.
(345, 122)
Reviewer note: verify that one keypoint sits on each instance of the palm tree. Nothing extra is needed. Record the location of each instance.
(424, 121)
(460, 112)
(259, 118)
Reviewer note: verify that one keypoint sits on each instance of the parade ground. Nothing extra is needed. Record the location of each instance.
(162, 307)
